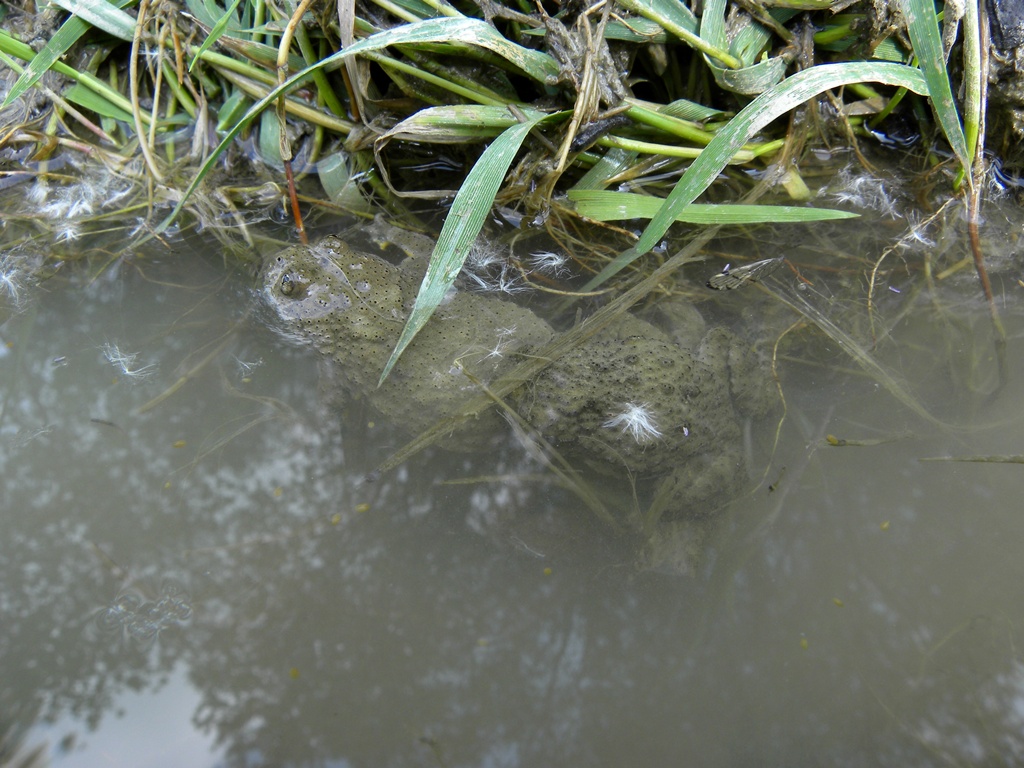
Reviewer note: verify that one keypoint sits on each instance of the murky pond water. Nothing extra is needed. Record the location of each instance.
(194, 569)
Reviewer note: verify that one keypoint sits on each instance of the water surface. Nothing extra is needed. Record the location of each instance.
(210, 577)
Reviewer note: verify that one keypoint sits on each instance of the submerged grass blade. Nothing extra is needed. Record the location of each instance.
(548, 455)
(756, 115)
(857, 351)
(469, 210)
(603, 205)
(977, 459)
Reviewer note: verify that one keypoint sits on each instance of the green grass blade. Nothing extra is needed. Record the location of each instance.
(667, 14)
(83, 97)
(455, 124)
(540, 66)
(374, 42)
(688, 110)
(676, 18)
(712, 29)
(613, 162)
(14, 47)
(18, 49)
(206, 12)
(687, 130)
(615, 206)
(462, 225)
(218, 29)
(297, 79)
(341, 184)
(888, 50)
(752, 80)
(231, 110)
(756, 115)
(102, 15)
(973, 88)
(639, 30)
(65, 37)
(397, 69)
(750, 77)
(249, 50)
(923, 26)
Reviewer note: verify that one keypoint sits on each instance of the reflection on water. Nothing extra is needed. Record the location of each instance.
(185, 510)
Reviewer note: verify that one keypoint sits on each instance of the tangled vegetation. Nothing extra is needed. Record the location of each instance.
(576, 115)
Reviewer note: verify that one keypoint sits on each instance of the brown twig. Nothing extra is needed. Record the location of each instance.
(284, 143)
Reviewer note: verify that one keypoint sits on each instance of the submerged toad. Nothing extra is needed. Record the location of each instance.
(352, 307)
(631, 397)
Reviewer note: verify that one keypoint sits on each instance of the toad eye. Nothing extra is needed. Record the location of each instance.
(289, 286)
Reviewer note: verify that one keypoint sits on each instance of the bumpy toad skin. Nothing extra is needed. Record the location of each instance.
(631, 398)
(352, 307)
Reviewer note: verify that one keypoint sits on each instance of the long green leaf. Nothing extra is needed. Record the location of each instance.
(923, 26)
(461, 226)
(457, 123)
(602, 205)
(668, 14)
(675, 17)
(65, 37)
(689, 110)
(770, 105)
(973, 75)
(612, 162)
(712, 29)
(751, 77)
(374, 42)
(751, 80)
(102, 15)
(209, 12)
(18, 49)
(218, 29)
(540, 66)
(83, 97)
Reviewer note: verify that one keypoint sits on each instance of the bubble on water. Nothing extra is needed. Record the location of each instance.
(176, 604)
(142, 620)
(173, 588)
(118, 614)
(110, 620)
(175, 610)
(128, 602)
(141, 629)
(152, 613)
